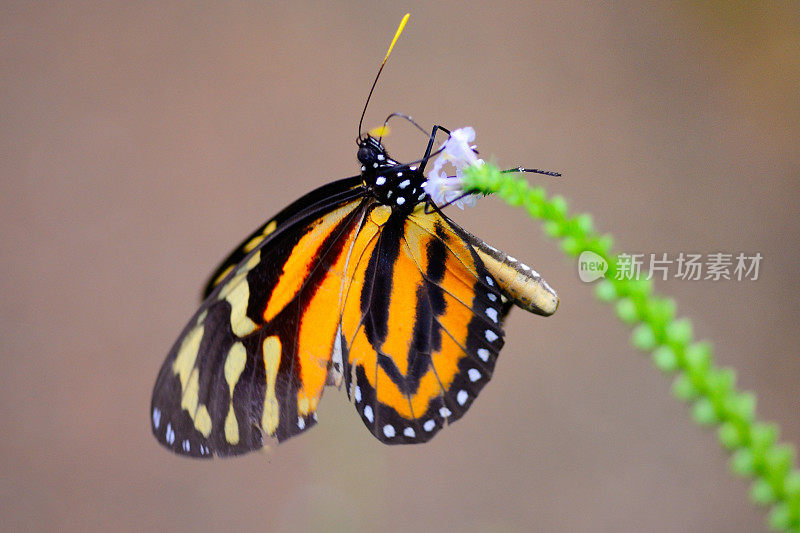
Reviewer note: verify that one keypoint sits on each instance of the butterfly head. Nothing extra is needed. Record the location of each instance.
(390, 182)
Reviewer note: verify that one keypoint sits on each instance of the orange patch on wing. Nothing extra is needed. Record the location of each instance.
(433, 221)
(402, 310)
(445, 361)
(388, 393)
(462, 264)
(300, 262)
(409, 407)
(318, 327)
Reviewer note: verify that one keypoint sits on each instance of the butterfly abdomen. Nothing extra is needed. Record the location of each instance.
(520, 283)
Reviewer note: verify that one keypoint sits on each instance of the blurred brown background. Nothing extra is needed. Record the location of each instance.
(140, 142)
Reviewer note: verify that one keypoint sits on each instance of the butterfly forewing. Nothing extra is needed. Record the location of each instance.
(253, 360)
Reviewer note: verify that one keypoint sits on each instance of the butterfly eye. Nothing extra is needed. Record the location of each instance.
(364, 155)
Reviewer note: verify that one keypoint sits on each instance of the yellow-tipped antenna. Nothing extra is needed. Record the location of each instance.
(386, 57)
(396, 36)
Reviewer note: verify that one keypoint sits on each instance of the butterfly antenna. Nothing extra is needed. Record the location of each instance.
(386, 57)
(534, 171)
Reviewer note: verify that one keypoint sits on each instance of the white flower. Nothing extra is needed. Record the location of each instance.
(460, 154)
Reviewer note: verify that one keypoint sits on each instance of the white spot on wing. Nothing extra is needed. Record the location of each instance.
(186, 445)
(410, 433)
(401, 200)
(170, 435)
(357, 394)
(491, 336)
(473, 374)
(368, 413)
(489, 281)
(388, 430)
(429, 425)
(301, 423)
(492, 296)
(462, 397)
(404, 184)
(156, 417)
(492, 313)
(445, 412)
(380, 180)
(483, 353)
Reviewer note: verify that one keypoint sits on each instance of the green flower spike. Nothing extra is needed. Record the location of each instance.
(711, 390)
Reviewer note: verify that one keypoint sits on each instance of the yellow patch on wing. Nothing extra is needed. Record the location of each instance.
(237, 293)
(187, 355)
(272, 359)
(197, 412)
(189, 394)
(234, 365)
(252, 243)
(300, 262)
(241, 274)
(269, 228)
(222, 274)
(380, 215)
(238, 298)
(202, 420)
(231, 427)
(248, 247)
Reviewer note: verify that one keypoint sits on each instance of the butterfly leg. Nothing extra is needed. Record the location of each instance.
(427, 155)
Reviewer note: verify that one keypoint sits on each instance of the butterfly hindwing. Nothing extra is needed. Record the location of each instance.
(421, 327)
(253, 360)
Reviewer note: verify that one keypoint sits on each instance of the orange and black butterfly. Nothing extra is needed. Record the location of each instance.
(362, 282)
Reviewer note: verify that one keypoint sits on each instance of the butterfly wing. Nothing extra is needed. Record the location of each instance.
(329, 194)
(421, 325)
(254, 359)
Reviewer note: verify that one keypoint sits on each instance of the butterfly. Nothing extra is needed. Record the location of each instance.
(362, 283)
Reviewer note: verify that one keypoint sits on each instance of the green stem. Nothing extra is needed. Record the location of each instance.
(711, 390)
